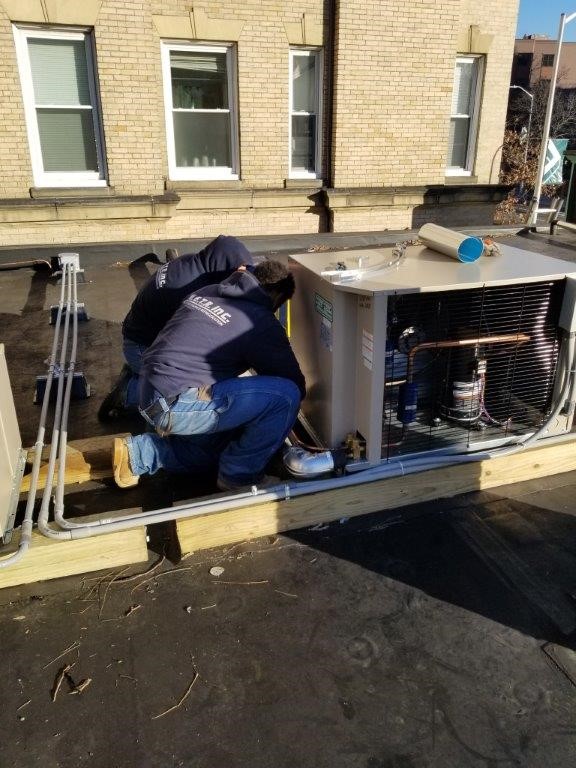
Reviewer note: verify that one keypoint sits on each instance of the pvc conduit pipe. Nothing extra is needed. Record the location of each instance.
(460, 247)
(55, 442)
(62, 453)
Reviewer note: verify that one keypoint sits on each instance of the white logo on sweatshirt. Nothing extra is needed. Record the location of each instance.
(161, 276)
(208, 308)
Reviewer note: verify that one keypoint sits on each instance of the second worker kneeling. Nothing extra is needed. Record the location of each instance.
(205, 413)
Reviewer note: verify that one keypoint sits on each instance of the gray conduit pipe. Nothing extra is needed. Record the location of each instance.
(27, 522)
(55, 444)
(59, 495)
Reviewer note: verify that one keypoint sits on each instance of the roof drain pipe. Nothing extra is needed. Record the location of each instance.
(27, 522)
(286, 491)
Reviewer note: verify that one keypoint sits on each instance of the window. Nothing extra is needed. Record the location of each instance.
(61, 107)
(464, 115)
(547, 59)
(199, 96)
(305, 112)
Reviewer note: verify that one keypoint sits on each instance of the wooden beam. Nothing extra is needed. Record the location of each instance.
(88, 459)
(52, 558)
(274, 517)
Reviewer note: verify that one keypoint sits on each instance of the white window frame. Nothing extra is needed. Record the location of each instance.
(44, 178)
(192, 173)
(474, 117)
(318, 53)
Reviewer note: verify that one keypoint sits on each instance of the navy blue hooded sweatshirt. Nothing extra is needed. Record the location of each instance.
(218, 333)
(163, 293)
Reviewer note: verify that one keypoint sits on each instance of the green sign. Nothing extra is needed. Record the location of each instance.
(553, 165)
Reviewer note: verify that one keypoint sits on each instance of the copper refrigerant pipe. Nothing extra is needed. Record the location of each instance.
(518, 338)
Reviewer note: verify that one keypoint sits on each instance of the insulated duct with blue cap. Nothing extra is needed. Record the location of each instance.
(461, 247)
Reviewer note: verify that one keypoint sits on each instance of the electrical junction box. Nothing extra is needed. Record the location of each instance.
(430, 354)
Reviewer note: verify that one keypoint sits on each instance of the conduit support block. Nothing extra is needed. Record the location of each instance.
(80, 312)
(70, 258)
(80, 387)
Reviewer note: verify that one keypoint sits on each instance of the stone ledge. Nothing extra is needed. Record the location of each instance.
(388, 197)
(207, 199)
(85, 208)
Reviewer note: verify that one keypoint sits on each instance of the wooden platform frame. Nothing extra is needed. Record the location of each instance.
(92, 460)
(231, 526)
(52, 558)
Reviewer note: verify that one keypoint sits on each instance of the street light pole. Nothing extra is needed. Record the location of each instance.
(531, 97)
(547, 120)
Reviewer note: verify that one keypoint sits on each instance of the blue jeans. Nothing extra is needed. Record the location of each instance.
(239, 429)
(133, 352)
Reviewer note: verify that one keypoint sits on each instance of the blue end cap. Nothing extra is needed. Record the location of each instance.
(470, 249)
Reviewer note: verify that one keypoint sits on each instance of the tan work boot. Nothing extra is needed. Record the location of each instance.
(123, 475)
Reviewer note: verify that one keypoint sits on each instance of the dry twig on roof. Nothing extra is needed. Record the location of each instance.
(63, 673)
(75, 645)
(112, 580)
(158, 575)
(82, 685)
(182, 700)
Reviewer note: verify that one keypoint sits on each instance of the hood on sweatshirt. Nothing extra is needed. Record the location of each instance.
(243, 285)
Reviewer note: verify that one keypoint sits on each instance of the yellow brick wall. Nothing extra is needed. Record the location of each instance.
(496, 18)
(394, 88)
(15, 165)
(394, 82)
(130, 79)
(393, 69)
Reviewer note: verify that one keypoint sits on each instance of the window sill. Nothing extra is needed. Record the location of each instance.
(303, 183)
(72, 193)
(457, 178)
(193, 184)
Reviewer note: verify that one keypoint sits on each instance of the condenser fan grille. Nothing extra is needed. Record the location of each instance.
(468, 366)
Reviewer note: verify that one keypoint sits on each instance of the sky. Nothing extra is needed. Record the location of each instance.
(542, 17)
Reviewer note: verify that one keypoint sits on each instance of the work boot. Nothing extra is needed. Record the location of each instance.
(114, 404)
(123, 475)
(267, 481)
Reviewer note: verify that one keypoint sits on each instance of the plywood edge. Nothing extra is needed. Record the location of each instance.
(230, 526)
(52, 559)
(87, 459)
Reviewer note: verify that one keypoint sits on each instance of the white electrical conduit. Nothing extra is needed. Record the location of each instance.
(280, 492)
(27, 522)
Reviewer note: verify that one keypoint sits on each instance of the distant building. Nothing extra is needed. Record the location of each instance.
(146, 120)
(534, 61)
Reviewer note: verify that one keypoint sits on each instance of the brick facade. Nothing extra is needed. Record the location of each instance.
(386, 118)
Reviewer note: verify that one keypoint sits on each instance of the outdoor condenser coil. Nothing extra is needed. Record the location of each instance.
(428, 354)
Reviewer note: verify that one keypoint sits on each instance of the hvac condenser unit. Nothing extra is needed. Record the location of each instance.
(12, 457)
(430, 354)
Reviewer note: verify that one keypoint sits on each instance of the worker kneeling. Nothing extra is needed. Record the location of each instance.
(204, 412)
